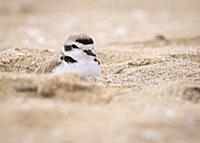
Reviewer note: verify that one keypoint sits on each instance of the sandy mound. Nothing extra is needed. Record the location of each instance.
(68, 87)
(149, 88)
(144, 94)
(188, 91)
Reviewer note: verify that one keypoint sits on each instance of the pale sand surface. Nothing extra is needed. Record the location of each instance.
(149, 90)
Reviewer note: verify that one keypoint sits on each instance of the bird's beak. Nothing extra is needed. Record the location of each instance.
(62, 53)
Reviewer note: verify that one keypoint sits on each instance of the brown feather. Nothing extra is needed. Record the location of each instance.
(49, 65)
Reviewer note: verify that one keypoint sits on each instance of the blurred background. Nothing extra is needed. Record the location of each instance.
(47, 23)
(149, 89)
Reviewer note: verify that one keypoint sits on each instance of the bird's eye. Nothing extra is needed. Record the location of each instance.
(67, 48)
(75, 47)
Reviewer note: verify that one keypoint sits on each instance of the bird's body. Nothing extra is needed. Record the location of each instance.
(77, 56)
(84, 68)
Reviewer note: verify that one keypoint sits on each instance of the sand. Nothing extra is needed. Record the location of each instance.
(149, 90)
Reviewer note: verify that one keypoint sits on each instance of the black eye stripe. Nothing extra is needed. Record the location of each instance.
(68, 48)
(75, 47)
(89, 52)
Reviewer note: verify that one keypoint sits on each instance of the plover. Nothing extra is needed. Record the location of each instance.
(76, 56)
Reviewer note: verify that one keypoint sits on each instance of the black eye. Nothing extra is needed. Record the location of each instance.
(67, 48)
(75, 47)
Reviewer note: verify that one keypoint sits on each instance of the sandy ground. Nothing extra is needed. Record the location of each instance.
(149, 90)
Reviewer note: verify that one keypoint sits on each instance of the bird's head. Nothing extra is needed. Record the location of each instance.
(79, 46)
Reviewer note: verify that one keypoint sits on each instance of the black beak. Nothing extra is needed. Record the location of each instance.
(89, 52)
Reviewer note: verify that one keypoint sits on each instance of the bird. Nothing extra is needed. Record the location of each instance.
(76, 56)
